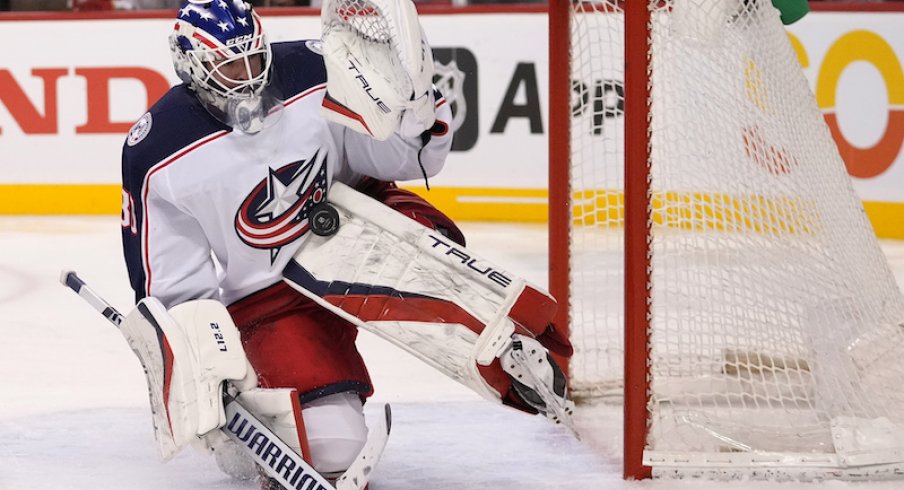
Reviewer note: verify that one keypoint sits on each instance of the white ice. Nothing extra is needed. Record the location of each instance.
(74, 413)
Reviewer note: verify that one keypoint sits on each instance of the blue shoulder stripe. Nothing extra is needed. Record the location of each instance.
(298, 66)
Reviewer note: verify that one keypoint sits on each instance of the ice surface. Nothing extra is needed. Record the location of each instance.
(74, 413)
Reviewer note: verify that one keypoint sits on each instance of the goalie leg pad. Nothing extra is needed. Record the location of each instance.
(533, 312)
(412, 286)
(294, 343)
(413, 206)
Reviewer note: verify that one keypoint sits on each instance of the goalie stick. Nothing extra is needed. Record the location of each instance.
(259, 442)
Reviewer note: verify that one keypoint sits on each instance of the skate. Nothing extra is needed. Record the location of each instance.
(538, 380)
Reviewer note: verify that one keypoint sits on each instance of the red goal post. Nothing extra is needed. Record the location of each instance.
(636, 204)
(716, 268)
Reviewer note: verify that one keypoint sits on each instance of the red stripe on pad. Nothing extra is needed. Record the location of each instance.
(376, 308)
(299, 426)
(167, 379)
(533, 310)
(331, 104)
(391, 308)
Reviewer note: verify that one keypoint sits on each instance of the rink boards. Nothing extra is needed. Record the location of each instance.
(66, 104)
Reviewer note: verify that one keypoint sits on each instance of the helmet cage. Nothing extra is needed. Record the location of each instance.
(248, 62)
(219, 49)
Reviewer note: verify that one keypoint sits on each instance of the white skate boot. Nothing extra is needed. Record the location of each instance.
(538, 379)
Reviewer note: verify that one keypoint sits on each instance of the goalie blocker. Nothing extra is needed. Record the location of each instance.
(187, 353)
(437, 300)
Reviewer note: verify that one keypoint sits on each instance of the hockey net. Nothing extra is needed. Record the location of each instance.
(766, 330)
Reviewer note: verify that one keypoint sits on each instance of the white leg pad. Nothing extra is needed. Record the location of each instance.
(380, 264)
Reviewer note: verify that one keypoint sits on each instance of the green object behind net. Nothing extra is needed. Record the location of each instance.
(792, 10)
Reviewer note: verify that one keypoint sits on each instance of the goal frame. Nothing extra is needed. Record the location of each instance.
(861, 441)
(637, 208)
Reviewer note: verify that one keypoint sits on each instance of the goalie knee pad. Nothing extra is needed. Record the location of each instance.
(336, 431)
(416, 208)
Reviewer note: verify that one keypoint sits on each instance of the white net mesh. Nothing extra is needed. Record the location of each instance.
(777, 325)
(378, 64)
(363, 17)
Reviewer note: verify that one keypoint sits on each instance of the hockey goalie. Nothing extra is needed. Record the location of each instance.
(262, 227)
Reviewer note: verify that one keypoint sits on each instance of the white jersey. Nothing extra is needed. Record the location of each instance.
(214, 213)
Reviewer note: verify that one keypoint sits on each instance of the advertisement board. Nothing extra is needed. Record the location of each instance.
(69, 96)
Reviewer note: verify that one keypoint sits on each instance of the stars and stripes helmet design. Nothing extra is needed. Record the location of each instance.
(219, 49)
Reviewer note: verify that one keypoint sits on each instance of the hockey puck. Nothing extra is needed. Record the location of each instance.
(324, 219)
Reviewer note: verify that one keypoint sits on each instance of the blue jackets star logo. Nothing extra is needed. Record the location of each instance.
(276, 212)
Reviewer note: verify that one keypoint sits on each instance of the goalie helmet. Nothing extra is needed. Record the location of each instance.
(220, 51)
